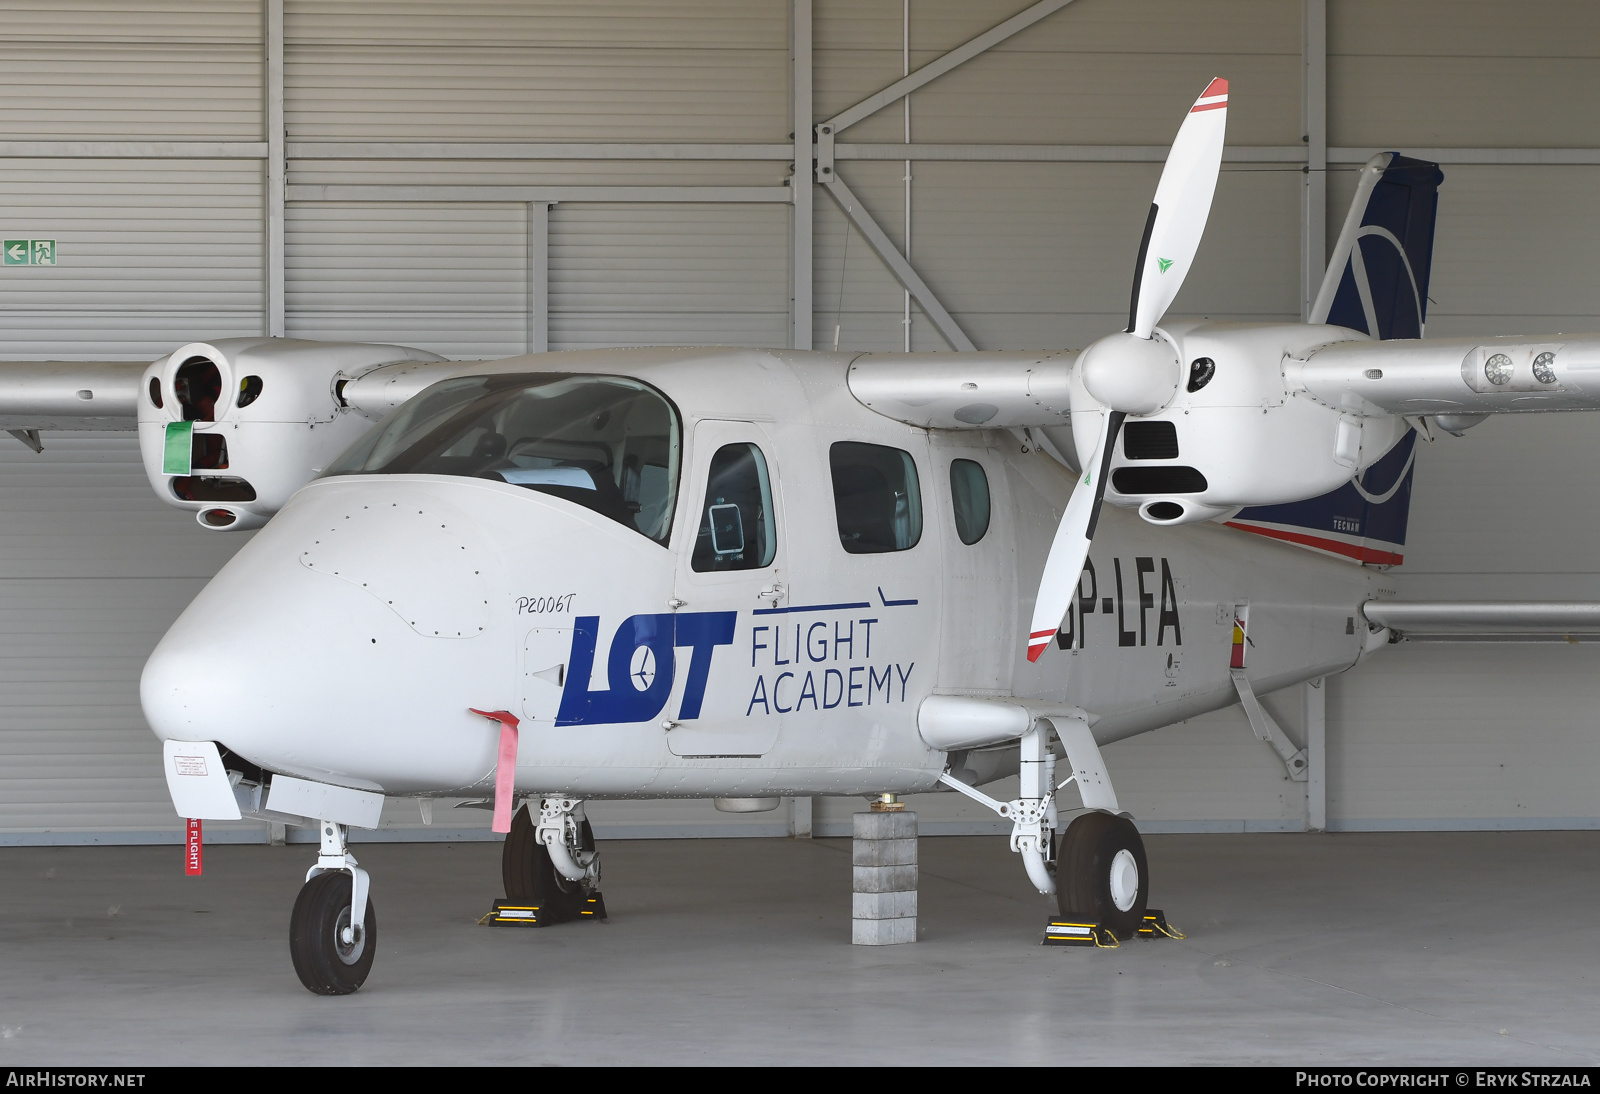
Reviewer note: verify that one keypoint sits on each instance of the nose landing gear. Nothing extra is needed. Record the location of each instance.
(550, 868)
(333, 931)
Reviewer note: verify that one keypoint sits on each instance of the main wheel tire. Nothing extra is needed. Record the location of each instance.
(1102, 874)
(325, 964)
(529, 875)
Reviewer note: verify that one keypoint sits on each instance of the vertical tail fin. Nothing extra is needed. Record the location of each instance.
(1377, 280)
(1377, 283)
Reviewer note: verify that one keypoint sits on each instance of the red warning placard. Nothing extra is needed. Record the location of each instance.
(193, 860)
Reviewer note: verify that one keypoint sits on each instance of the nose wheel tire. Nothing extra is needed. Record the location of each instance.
(329, 956)
(529, 875)
(1101, 873)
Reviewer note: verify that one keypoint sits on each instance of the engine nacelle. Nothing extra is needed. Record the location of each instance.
(230, 429)
(1234, 435)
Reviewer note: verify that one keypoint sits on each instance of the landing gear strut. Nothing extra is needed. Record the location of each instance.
(1099, 872)
(531, 876)
(550, 867)
(333, 931)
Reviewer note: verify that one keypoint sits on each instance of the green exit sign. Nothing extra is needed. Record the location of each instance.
(30, 252)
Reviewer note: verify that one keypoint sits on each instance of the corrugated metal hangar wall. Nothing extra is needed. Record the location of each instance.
(450, 175)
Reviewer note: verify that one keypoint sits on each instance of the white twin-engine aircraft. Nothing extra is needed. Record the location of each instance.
(739, 574)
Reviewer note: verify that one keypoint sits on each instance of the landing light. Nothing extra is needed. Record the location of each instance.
(1543, 368)
(1498, 369)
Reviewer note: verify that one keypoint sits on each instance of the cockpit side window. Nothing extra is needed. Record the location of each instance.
(606, 443)
(736, 525)
(876, 497)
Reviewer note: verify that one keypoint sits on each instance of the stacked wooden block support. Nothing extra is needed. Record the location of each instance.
(883, 901)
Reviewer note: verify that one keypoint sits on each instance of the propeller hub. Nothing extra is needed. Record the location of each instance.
(1131, 374)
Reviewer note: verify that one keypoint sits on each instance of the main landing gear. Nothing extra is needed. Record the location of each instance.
(1101, 873)
(1097, 867)
(333, 931)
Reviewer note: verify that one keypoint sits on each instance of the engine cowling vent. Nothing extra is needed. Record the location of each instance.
(212, 488)
(1150, 440)
(1158, 480)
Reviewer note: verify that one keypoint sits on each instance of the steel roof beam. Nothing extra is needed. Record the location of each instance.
(553, 194)
(898, 266)
(938, 67)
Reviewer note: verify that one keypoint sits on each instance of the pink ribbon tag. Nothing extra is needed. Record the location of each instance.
(505, 769)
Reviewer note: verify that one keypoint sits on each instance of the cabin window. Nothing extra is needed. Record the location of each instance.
(736, 526)
(875, 497)
(606, 443)
(969, 495)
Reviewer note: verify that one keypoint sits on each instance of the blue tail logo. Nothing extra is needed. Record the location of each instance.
(1377, 283)
(1377, 280)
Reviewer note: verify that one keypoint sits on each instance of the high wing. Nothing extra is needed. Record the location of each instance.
(68, 395)
(1407, 377)
(967, 390)
(1453, 376)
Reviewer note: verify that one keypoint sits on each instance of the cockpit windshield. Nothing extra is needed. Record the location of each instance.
(604, 442)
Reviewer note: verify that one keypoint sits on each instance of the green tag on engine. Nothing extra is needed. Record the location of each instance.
(179, 455)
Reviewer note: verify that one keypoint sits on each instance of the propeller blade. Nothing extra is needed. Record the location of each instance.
(1059, 583)
(1182, 204)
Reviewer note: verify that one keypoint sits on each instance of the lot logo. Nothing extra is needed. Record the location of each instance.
(641, 666)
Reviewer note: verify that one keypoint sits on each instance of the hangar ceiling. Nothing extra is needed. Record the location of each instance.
(480, 179)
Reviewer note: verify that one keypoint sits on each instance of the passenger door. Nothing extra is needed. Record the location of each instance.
(731, 577)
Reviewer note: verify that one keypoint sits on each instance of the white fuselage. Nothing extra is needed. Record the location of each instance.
(347, 641)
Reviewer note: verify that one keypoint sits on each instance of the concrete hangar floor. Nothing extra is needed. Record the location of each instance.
(1453, 948)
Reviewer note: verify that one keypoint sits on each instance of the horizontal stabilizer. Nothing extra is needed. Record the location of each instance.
(1485, 618)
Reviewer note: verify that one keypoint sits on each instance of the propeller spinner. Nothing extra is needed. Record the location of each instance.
(1137, 372)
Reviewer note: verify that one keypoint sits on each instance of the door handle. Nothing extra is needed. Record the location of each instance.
(773, 594)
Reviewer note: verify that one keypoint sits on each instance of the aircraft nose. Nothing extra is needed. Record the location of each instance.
(344, 630)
